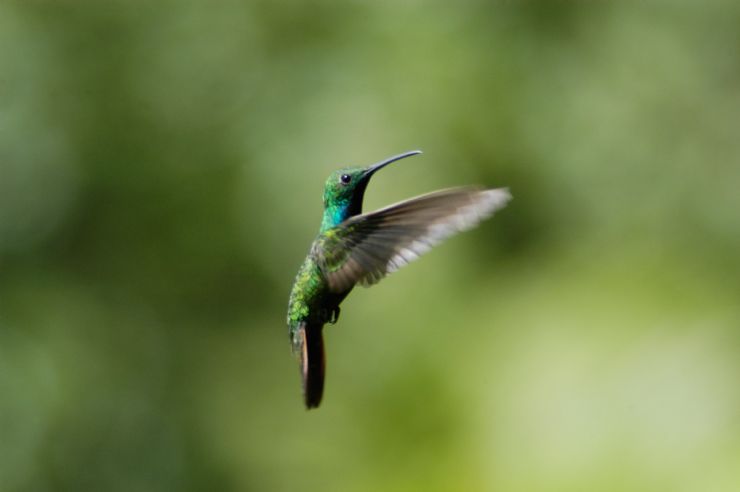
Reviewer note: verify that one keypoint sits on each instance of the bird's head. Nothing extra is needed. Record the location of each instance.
(345, 189)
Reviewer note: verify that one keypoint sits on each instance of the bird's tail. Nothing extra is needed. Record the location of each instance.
(312, 363)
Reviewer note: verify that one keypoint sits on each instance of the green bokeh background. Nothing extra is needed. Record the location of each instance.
(161, 167)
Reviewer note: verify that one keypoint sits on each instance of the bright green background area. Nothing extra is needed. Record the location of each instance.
(161, 166)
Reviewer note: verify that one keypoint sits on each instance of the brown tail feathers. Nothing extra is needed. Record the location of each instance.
(312, 364)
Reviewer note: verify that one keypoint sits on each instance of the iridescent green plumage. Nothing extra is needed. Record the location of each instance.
(354, 248)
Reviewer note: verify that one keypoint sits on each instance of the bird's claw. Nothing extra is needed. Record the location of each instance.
(334, 315)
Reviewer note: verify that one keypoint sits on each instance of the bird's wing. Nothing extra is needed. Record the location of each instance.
(364, 248)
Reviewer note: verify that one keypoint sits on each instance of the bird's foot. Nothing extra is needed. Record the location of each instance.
(334, 315)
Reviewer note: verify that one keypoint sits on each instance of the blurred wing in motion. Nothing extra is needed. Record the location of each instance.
(364, 248)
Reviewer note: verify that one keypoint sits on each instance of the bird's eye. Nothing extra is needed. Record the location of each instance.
(345, 178)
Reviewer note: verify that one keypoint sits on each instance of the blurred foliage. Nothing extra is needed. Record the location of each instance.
(161, 166)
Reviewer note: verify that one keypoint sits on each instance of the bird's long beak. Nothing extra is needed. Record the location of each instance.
(375, 167)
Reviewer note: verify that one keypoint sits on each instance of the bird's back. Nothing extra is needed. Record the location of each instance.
(305, 298)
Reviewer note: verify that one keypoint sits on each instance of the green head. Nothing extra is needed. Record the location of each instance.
(345, 188)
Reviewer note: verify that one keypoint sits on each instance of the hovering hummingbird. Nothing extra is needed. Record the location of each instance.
(353, 248)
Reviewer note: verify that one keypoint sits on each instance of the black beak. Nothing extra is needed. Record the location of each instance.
(375, 167)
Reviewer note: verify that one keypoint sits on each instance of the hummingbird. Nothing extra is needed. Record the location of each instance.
(355, 248)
